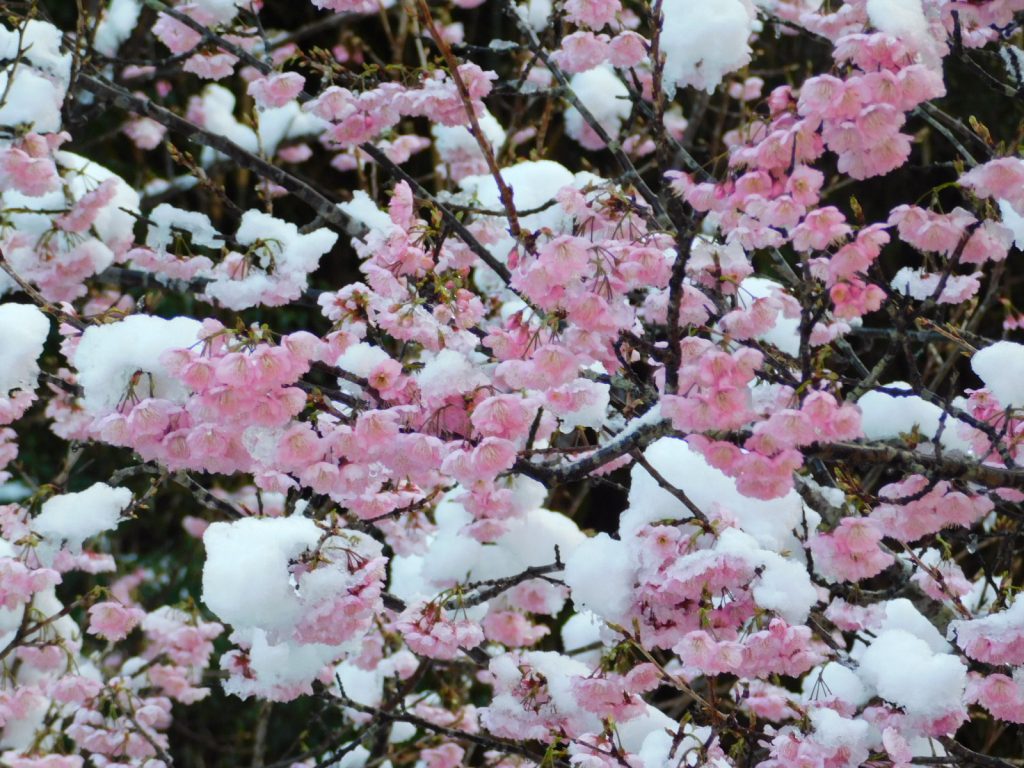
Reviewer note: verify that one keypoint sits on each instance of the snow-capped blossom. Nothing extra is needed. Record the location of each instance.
(929, 508)
(580, 403)
(609, 696)
(592, 14)
(246, 581)
(276, 90)
(627, 49)
(113, 621)
(428, 631)
(940, 579)
(20, 583)
(990, 241)
(445, 756)
(997, 366)
(87, 208)
(711, 264)
(211, 66)
(512, 629)
(778, 650)
(32, 175)
(144, 132)
(930, 231)
(820, 229)
(179, 38)
(1002, 178)
(1001, 695)
(504, 416)
(534, 697)
(184, 639)
(438, 404)
(581, 52)
(993, 639)
(851, 552)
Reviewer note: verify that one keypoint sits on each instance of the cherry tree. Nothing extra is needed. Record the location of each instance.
(594, 383)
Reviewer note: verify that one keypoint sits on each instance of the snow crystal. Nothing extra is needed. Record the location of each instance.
(600, 576)
(785, 331)
(115, 222)
(363, 210)
(109, 356)
(287, 122)
(221, 11)
(246, 581)
(448, 373)
(901, 614)
(904, 670)
(533, 184)
(705, 41)
(361, 358)
(1012, 221)
(605, 97)
(1001, 367)
(40, 46)
(165, 220)
(218, 108)
(530, 540)
(535, 13)
(33, 90)
(281, 260)
(921, 285)
(72, 518)
(363, 686)
(116, 26)
(278, 668)
(633, 733)
(457, 139)
(25, 331)
(662, 748)
(833, 681)
(899, 18)
(770, 522)
(783, 586)
(851, 735)
(579, 631)
(31, 100)
(885, 416)
(217, 105)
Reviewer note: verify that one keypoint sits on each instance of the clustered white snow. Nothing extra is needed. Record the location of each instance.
(703, 42)
(1001, 367)
(71, 518)
(34, 90)
(288, 616)
(122, 357)
(25, 330)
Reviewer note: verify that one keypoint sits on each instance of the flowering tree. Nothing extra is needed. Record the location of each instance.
(607, 383)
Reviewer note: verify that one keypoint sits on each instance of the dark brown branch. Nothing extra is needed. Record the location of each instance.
(488, 742)
(491, 588)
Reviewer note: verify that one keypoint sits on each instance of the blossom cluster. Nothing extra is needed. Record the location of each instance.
(530, 384)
